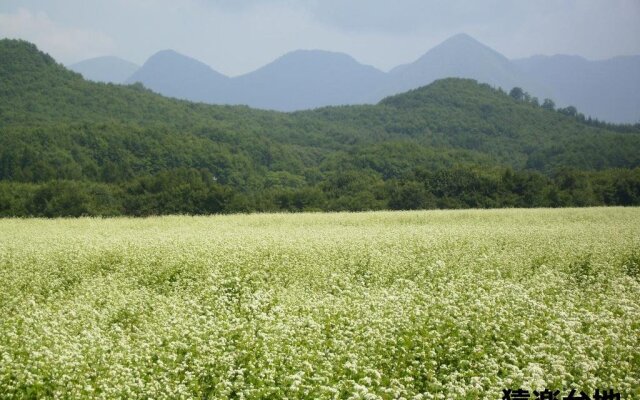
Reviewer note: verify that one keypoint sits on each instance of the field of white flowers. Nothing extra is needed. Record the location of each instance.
(385, 305)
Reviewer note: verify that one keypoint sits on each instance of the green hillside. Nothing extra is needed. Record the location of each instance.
(74, 147)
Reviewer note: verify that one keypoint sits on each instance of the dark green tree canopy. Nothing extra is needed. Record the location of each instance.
(549, 104)
(518, 94)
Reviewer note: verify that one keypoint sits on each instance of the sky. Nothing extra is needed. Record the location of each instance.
(239, 36)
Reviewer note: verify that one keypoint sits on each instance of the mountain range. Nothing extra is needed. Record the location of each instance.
(608, 90)
(69, 146)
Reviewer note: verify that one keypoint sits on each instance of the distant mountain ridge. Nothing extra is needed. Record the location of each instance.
(608, 89)
(107, 69)
(175, 75)
(461, 56)
(305, 79)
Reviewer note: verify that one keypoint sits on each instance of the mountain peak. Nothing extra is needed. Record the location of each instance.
(17, 51)
(19, 58)
(461, 38)
(172, 56)
(450, 91)
(307, 64)
(176, 75)
(462, 56)
(314, 58)
(460, 45)
(170, 61)
(305, 79)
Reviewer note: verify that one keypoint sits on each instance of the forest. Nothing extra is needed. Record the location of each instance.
(70, 147)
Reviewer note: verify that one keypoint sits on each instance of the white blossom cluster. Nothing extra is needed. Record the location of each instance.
(384, 305)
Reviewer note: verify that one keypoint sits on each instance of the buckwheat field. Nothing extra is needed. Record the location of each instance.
(384, 305)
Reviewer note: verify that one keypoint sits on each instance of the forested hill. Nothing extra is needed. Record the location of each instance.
(73, 147)
(36, 89)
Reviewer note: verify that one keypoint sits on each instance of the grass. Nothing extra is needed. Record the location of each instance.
(434, 304)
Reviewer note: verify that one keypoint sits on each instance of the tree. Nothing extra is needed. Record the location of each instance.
(548, 104)
(570, 111)
(517, 93)
(410, 195)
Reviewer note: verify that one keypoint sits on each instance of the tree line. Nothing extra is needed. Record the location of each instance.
(192, 191)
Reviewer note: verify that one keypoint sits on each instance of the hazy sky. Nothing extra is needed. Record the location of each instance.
(238, 36)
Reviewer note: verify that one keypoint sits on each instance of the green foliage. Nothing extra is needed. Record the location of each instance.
(517, 93)
(582, 270)
(72, 147)
(631, 264)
